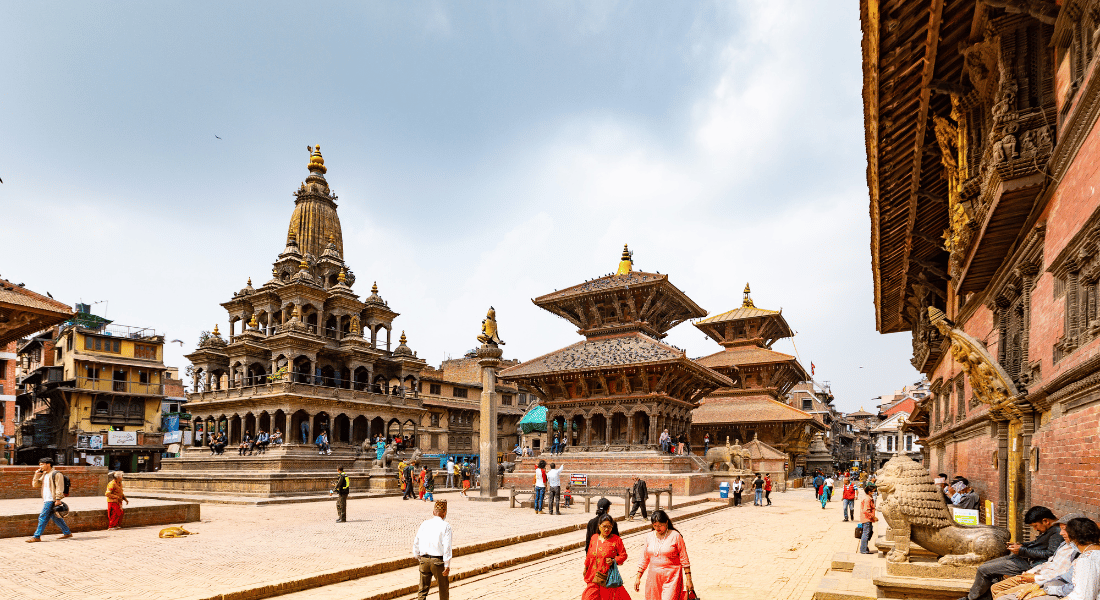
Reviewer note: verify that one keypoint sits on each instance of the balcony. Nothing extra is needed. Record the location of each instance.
(120, 387)
(315, 390)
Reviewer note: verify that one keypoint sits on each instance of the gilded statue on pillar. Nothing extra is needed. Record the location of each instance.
(489, 333)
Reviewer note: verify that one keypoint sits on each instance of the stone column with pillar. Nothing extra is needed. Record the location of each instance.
(489, 361)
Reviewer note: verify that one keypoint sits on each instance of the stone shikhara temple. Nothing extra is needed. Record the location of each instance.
(616, 391)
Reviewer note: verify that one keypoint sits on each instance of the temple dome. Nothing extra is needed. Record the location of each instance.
(314, 221)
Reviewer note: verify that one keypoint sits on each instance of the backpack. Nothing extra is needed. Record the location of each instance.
(68, 483)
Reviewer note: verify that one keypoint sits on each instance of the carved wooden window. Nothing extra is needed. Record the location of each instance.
(506, 399)
(960, 393)
(459, 392)
(145, 351)
(435, 388)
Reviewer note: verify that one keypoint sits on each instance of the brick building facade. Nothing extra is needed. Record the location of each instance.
(983, 155)
(7, 401)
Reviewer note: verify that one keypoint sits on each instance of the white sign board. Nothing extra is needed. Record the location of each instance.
(173, 437)
(965, 517)
(122, 438)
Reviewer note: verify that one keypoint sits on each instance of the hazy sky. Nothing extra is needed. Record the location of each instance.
(484, 153)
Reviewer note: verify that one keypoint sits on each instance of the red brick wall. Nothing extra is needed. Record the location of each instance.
(1069, 462)
(15, 481)
(7, 381)
(96, 520)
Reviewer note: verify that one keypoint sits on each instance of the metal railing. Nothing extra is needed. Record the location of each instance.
(125, 387)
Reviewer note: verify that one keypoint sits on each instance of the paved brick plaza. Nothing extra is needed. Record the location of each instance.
(777, 552)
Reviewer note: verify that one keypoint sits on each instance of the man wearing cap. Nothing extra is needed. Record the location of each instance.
(52, 483)
(1022, 556)
(1044, 573)
(432, 547)
(341, 489)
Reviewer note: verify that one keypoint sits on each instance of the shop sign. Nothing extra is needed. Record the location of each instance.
(578, 479)
(173, 437)
(122, 438)
(966, 517)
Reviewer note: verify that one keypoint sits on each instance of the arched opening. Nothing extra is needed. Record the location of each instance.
(580, 430)
(331, 327)
(236, 370)
(279, 424)
(341, 429)
(235, 430)
(377, 427)
(321, 424)
(257, 374)
(303, 370)
(310, 318)
(199, 380)
(359, 430)
(641, 427)
(263, 423)
(380, 384)
(409, 385)
(250, 425)
(299, 429)
(599, 430)
(408, 433)
(328, 376)
(344, 376)
(618, 429)
(393, 429)
(362, 378)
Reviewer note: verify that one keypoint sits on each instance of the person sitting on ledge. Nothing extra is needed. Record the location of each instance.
(246, 444)
(1048, 573)
(277, 437)
(322, 444)
(1022, 556)
(965, 497)
(262, 441)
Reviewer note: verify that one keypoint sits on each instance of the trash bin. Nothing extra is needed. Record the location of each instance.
(724, 490)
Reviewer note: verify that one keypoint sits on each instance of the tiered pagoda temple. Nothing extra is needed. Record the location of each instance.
(622, 386)
(755, 405)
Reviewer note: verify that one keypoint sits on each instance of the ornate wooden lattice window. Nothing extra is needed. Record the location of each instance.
(960, 395)
(1011, 307)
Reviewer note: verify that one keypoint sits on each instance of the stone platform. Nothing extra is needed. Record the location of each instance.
(19, 518)
(610, 468)
(290, 470)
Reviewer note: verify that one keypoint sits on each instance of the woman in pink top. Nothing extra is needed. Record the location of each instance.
(666, 557)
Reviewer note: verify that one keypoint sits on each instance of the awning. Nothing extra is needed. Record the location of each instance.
(534, 420)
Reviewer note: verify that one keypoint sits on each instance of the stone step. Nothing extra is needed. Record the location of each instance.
(399, 578)
(923, 588)
(846, 585)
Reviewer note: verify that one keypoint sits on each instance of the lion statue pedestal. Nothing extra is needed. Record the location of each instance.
(915, 510)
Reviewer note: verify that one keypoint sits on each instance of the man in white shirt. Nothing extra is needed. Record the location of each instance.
(553, 483)
(432, 547)
(450, 472)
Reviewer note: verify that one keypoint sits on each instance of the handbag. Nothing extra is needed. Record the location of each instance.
(859, 531)
(692, 595)
(613, 579)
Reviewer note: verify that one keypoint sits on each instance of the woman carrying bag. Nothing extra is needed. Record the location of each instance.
(601, 564)
(666, 557)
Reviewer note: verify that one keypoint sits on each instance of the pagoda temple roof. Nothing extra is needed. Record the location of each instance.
(742, 356)
(741, 312)
(607, 282)
(746, 409)
(631, 349)
(24, 312)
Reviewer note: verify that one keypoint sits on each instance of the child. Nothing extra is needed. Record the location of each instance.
(429, 486)
(567, 497)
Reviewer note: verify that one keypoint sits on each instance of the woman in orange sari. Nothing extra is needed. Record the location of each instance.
(666, 556)
(115, 498)
(604, 548)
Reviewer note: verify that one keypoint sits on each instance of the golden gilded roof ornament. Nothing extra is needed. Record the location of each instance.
(342, 277)
(626, 262)
(304, 265)
(215, 333)
(374, 288)
(991, 384)
(316, 161)
(746, 302)
(252, 322)
(249, 282)
(403, 341)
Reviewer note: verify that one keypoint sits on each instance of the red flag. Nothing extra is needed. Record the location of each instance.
(812, 369)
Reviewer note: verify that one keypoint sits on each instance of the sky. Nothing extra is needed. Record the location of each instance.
(484, 153)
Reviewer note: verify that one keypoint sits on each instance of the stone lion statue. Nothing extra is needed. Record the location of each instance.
(387, 457)
(416, 456)
(915, 509)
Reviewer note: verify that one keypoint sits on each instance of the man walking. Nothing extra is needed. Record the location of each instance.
(638, 494)
(768, 489)
(553, 483)
(758, 490)
(450, 472)
(432, 548)
(848, 500)
(819, 483)
(867, 517)
(1022, 556)
(407, 474)
(52, 483)
(342, 489)
(827, 491)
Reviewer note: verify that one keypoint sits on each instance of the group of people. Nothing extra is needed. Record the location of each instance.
(1063, 561)
(958, 493)
(464, 472)
(664, 556)
(248, 445)
(673, 444)
(52, 483)
(548, 479)
(558, 445)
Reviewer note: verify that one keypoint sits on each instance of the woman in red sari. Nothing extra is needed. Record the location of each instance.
(666, 556)
(604, 548)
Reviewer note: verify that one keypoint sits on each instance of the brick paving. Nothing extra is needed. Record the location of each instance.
(776, 552)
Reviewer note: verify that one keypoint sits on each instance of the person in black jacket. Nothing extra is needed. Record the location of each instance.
(602, 506)
(638, 495)
(341, 489)
(1022, 556)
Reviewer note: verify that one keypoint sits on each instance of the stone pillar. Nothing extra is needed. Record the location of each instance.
(489, 360)
(607, 430)
(630, 429)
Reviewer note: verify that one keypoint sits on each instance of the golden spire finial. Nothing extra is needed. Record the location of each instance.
(304, 265)
(626, 263)
(342, 277)
(331, 238)
(374, 288)
(252, 322)
(215, 333)
(316, 161)
(403, 340)
(747, 301)
(249, 282)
